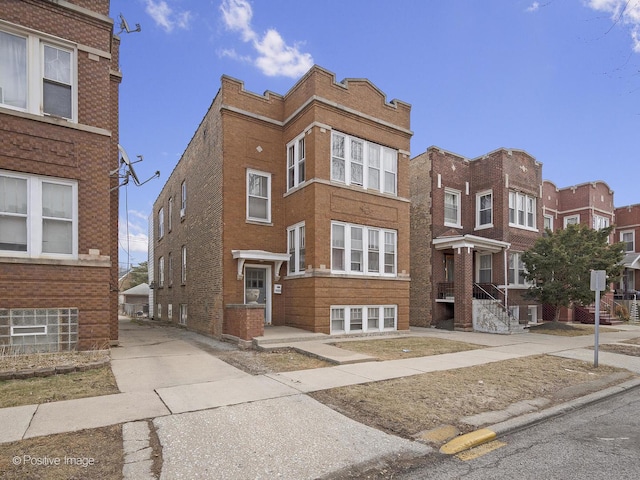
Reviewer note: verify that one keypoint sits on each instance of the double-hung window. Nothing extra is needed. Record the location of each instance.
(484, 209)
(522, 210)
(485, 268)
(296, 247)
(183, 199)
(258, 196)
(363, 164)
(160, 223)
(296, 156)
(516, 270)
(38, 216)
(571, 220)
(170, 258)
(628, 238)
(600, 222)
(183, 271)
(548, 222)
(358, 249)
(161, 272)
(170, 214)
(452, 217)
(37, 76)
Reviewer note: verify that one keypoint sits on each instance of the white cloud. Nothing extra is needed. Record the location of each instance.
(165, 17)
(138, 240)
(626, 12)
(275, 57)
(533, 7)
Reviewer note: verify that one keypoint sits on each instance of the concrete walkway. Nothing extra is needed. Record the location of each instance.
(214, 420)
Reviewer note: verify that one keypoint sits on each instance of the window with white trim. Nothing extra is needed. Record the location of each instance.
(170, 260)
(452, 210)
(161, 272)
(170, 214)
(364, 164)
(600, 222)
(516, 270)
(485, 266)
(183, 270)
(170, 311)
(37, 75)
(38, 216)
(522, 210)
(363, 318)
(355, 249)
(484, 209)
(629, 240)
(258, 196)
(159, 310)
(532, 314)
(548, 222)
(571, 220)
(183, 314)
(296, 164)
(296, 248)
(183, 199)
(161, 223)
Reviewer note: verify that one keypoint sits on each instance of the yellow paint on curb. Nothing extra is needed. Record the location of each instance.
(468, 440)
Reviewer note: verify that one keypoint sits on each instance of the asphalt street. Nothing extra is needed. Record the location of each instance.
(601, 441)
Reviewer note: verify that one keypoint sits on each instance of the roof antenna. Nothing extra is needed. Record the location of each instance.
(129, 172)
(124, 26)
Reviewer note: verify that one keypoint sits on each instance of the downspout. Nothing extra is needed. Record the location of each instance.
(506, 283)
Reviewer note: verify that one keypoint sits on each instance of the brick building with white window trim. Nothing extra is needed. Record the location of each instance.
(59, 81)
(302, 197)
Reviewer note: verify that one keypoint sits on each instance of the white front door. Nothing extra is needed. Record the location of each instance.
(259, 276)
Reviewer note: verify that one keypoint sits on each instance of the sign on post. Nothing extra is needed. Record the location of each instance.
(598, 284)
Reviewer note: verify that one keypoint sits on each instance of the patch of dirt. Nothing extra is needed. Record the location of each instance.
(89, 383)
(156, 448)
(95, 453)
(567, 329)
(631, 350)
(632, 341)
(275, 361)
(405, 347)
(407, 406)
(10, 362)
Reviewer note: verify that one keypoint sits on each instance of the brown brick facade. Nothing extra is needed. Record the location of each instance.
(84, 151)
(244, 132)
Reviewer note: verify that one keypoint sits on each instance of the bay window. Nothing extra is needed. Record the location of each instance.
(364, 164)
(356, 249)
(296, 156)
(38, 216)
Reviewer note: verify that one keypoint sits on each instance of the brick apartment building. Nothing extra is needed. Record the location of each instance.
(628, 232)
(59, 81)
(471, 219)
(302, 199)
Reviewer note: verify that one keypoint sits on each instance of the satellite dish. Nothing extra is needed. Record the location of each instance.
(124, 26)
(125, 160)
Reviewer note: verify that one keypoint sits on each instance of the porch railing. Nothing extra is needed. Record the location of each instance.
(497, 308)
(445, 290)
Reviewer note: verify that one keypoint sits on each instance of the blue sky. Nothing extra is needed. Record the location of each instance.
(557, 78)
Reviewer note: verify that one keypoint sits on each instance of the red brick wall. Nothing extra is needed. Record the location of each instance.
(85, 152)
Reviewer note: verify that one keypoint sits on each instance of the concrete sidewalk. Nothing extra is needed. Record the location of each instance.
(211, 415)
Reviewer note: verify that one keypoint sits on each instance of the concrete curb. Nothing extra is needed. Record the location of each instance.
(484, 435)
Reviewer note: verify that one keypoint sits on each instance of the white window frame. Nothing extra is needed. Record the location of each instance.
(170, 214)
(479, 268)
(182, 320)
(457, 194)
(386, 267)
(183, 269)
(34, 217)
(386, 169)
(627, 242)
(170, 269)
(521, 203)
(183, 199)
(18, 330)
(161, 223)
(169, 311)
(479, 196)
(159, 310)
(344, 313)
(515, 259)
(296, 162)
(296, 246)
(266, 175)
(571, 220)
(161, 272)
(532, 313)
(35, 71)
(600, 222)
(549, 219)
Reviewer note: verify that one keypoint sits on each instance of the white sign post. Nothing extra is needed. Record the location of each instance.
(598, 284)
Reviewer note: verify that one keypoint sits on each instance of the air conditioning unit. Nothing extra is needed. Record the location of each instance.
(182, 213)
